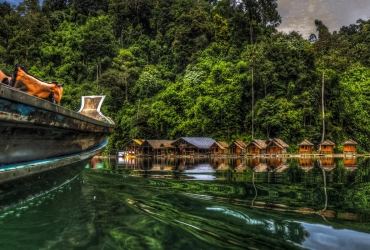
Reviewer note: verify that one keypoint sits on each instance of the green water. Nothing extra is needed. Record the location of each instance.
(192, 203)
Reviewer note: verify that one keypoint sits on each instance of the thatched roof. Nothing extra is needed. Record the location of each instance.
(261, 144)
(306, 143)
(157, 144)
(327, 143)
(239, 143)
(280, 143)
(349, 142)
(134, 142)
(220, 144)
(198, 142)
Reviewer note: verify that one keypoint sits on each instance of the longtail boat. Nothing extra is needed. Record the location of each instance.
(38, 135)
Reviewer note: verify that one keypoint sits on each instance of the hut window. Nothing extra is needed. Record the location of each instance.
(324, 146)
(302, 146)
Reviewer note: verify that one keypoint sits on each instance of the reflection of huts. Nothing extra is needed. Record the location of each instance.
(193, 145)
(306, 164)
(327, 163)
(133, 147)
(240, 168)
(262, 167)
(256, 147)
(275, 161)
(237, 147)
(326, 147)
(276, 146)
(219, 147)
(281, 168)
(305, 147)
(157, 147)
(223, 167)
(349, 146)
(350, 161)
(252, 162)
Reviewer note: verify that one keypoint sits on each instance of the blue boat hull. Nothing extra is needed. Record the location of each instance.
(33, 129)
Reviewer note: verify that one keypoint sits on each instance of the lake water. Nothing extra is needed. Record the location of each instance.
(191, 203)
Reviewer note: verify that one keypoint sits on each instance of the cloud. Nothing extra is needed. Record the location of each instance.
(300, 15)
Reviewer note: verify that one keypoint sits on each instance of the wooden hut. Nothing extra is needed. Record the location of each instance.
(219, 147)
(133, 147)
(256, 147)
(276, 146)
(349, 147)
(193, 145)
(305, 147)
(326, 147)
(157, 147)
(237, 147)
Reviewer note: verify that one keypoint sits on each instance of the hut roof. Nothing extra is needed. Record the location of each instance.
(306, 143)
(221, 144)
(239, 143)
(261, 144)
(199, 142)
(136, 141)
(349, 142)
(278, 142)
(327, 143)
(156, 144)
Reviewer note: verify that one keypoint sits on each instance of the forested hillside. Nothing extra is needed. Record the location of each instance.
(219, 69)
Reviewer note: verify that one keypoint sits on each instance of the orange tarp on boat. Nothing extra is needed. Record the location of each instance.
(25, 82)
(4, 78)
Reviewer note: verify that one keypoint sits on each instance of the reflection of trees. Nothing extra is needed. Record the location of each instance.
(294, 187)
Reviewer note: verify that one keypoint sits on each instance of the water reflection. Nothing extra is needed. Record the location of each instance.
(199, 203)
(326, 187)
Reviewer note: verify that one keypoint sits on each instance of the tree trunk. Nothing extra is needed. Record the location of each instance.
(252, 104)
(251, 40)
(322, 105)
(97, 72)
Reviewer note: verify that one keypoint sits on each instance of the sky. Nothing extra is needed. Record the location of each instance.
(300, 15)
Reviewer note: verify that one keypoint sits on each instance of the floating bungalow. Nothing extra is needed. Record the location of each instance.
(276, 146)
(305, 147)
(133, 147)
(219, 147)
(157, 147)
(349, 147)
(193, 145)
(326, 147)
(256, 147)
(237, 147)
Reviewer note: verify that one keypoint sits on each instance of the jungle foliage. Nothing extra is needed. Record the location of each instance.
(196, 68)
